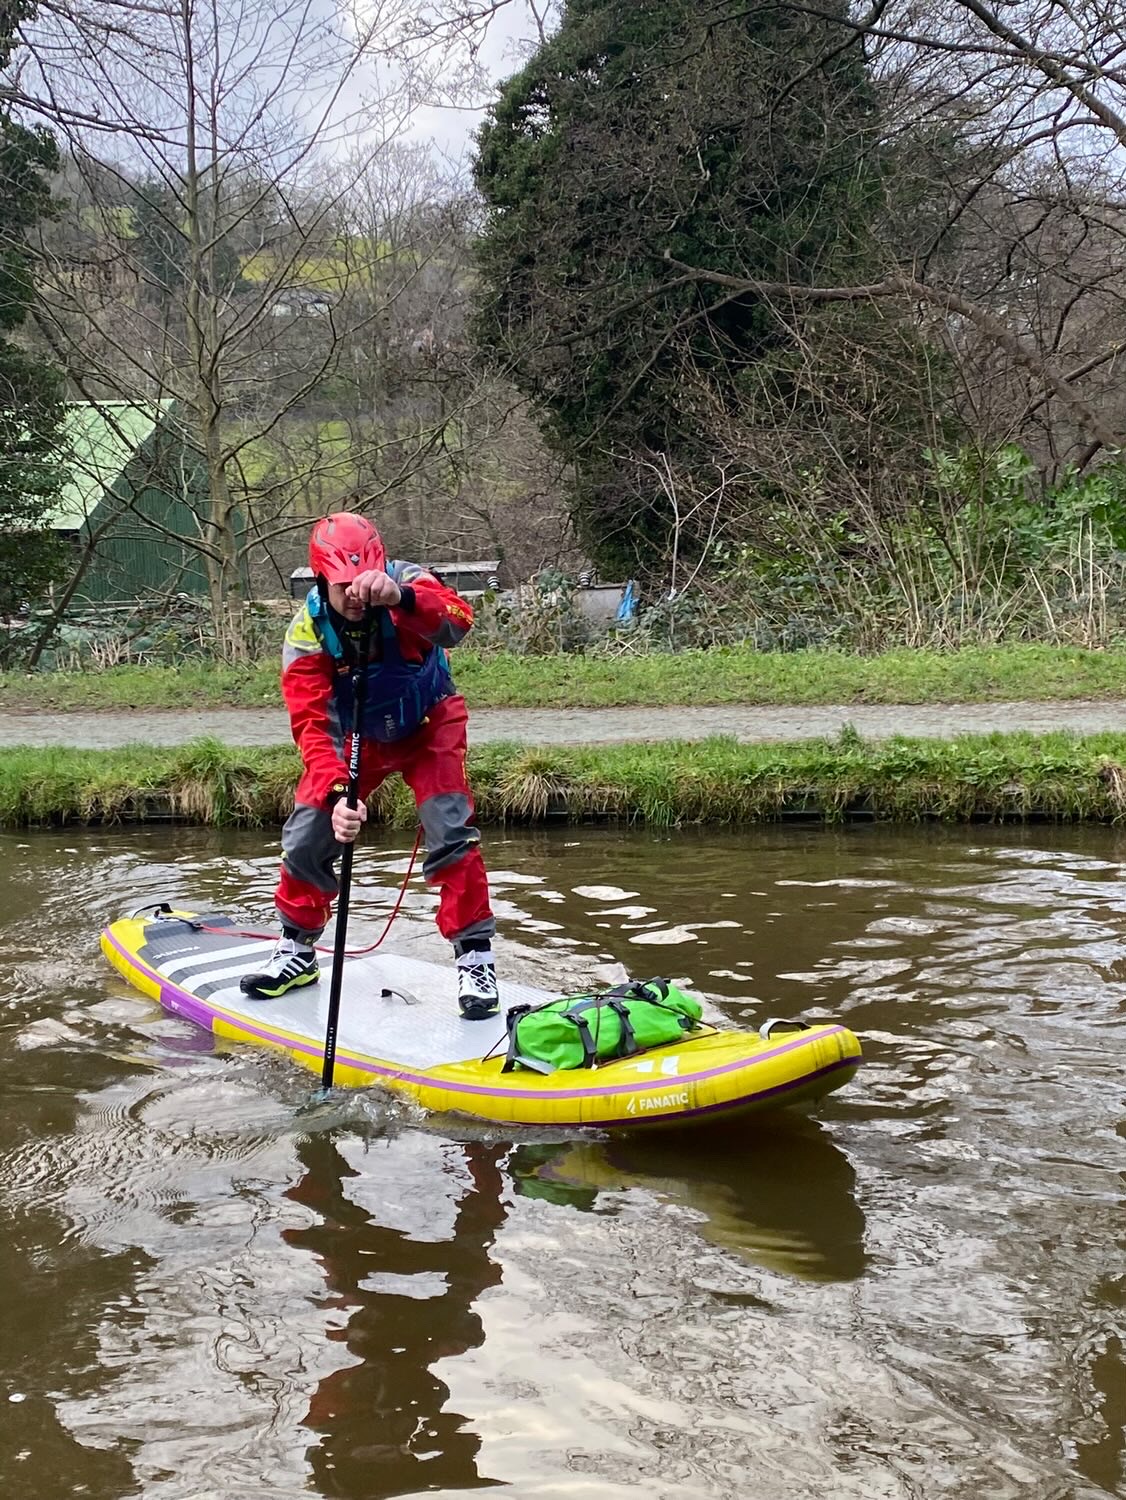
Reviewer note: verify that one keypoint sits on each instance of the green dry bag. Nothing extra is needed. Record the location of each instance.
(579, 1031)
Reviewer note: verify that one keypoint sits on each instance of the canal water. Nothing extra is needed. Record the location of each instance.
(211, 1287)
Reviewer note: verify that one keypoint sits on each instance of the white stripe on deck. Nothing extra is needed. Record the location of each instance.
(215, 956)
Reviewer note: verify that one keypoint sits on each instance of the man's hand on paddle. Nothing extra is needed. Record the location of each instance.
(347, 821)
(375, 587)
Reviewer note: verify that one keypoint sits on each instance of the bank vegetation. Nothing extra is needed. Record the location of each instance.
(716, 782)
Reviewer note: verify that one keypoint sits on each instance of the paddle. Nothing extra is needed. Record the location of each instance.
(359, 687)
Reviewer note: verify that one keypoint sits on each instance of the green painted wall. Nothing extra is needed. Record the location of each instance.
(132, 463)
(133, 559)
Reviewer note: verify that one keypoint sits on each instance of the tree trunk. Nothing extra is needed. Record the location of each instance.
(224, 575)
(206, 372)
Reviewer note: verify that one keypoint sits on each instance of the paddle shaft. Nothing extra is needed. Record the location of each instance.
(359, 690)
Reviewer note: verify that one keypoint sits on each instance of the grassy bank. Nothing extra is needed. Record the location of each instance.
(972, 675)
(717, 782)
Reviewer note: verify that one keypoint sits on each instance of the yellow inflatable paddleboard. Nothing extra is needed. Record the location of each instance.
(399, 1026)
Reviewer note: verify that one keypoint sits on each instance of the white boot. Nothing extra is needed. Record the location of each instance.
(477, 994)
(291, 964)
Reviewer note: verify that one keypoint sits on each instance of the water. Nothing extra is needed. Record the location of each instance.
(214, 1288)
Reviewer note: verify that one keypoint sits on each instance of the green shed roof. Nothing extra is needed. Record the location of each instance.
(101, 440)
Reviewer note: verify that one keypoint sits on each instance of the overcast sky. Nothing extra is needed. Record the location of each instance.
(145, 84)
(505, 47)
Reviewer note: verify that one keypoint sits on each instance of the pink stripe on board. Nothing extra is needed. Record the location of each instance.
(184, 1003)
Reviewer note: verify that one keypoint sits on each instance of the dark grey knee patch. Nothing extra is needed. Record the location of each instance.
(448, 830)
(309, 848)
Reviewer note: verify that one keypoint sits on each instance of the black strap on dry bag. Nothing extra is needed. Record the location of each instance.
(513, 1055)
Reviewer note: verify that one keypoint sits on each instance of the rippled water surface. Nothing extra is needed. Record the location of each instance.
(214, 1287)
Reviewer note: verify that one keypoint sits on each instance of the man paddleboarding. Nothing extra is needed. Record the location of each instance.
(414, 722)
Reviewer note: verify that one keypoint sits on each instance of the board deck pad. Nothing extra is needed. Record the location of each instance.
(401, 1009)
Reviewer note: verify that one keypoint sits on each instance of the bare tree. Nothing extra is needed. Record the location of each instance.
(254, 242)
(1009, 133)
(204, 263)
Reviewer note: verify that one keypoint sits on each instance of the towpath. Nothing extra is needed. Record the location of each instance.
(584, 726)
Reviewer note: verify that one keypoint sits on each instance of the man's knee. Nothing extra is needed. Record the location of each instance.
(309, 847)
(448, 829)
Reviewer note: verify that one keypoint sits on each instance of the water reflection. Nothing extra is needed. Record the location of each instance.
(405, 1303)
(784, 1198)
(1102, 1457)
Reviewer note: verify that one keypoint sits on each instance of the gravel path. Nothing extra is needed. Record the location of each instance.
(583, 726)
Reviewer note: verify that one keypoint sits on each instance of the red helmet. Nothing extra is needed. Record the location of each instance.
(344, 545)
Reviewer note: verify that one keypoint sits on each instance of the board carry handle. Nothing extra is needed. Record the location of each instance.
(158, 910)
(780, 1023)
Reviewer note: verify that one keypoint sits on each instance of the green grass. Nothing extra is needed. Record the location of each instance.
(199, 685)
(1054, 776)
(972, 675)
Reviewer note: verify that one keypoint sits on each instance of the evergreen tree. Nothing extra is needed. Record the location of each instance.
(723, 137)
(31, 397)
(163, 247)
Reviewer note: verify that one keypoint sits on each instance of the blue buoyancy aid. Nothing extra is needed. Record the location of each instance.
(398, 693)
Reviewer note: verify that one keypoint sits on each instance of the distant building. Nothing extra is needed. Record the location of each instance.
(131, 465)
(469, 579)
(301, 302)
